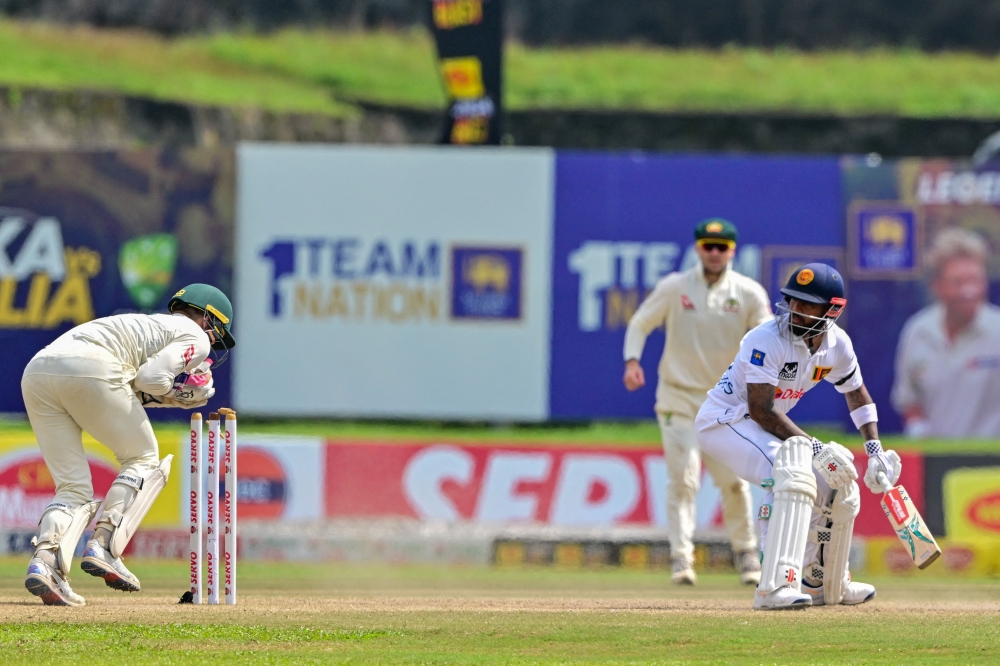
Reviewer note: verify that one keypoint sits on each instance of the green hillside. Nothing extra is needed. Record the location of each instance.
(325, 72)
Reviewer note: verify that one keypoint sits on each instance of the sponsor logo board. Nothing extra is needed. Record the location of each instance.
(43, 282)
(278, 478)
(27, 486)
(505, 484)
(972, 502)
(623, 222)
(434, 282)
(884, 240)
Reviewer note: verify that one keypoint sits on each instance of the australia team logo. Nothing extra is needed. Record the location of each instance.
(486, 282)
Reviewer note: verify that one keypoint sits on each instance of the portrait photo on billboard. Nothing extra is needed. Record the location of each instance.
(922, 253)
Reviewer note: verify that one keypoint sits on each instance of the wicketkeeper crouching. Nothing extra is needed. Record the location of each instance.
(99, 377)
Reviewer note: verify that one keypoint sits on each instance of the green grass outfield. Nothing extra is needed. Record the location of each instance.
(625, 434)
(296, 613)
(324, 72)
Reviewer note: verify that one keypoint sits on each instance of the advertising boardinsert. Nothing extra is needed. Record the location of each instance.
(393, 282)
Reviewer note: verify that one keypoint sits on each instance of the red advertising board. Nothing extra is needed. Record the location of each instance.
(555, 485)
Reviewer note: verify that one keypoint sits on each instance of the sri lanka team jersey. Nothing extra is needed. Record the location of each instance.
(768, 356)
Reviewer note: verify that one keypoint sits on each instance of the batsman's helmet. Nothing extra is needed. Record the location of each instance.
(216, 306)
(813, 283)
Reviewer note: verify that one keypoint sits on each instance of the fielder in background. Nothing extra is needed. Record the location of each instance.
(99, 377)
(948, 359)
(705, 311)
(807, 518)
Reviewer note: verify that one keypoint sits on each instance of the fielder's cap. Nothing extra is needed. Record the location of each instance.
(209, 299)
(716, 228)
(815, 283)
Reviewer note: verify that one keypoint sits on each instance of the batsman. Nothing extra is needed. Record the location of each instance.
(807, 518)
(100, 377)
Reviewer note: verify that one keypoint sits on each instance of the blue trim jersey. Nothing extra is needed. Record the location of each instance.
(767, 356)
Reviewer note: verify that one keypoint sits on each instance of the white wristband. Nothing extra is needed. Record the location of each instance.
(864, 415)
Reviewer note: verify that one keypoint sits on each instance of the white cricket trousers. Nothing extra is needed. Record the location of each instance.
(749, 451)
(61, 407)
(680, 449)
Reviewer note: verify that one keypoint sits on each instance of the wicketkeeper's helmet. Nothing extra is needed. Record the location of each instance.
(216, 306)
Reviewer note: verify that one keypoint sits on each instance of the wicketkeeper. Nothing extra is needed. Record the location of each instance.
(99, 377)
(705, 311)
(807, 518)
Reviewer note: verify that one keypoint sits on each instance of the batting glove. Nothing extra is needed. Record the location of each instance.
(836, 465)
(882, 462)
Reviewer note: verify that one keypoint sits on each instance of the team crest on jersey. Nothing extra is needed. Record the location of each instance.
(686, 302)
(821, 371)
(731, 305)
(790, 371)
(757, 357)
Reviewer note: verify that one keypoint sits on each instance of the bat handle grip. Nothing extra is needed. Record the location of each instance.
(884, 482)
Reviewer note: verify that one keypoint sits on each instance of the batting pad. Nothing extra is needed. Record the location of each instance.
(147, 487)
(788, 527)
(845, 508)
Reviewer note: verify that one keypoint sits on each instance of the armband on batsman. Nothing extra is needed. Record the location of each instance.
(864, 415)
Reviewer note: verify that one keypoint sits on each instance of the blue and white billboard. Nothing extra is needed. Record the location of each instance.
(624, 221)
(387, 282)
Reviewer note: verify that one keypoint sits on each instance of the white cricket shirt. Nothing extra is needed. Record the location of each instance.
(704, 325)
(955, 383)
(147, 350)
(768, 356)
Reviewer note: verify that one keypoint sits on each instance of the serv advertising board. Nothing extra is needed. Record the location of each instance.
(90, 234)
(623, 221)
(503, 484)
(381, 282)
(536, 483)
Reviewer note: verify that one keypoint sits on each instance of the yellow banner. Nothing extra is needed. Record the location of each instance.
(962, 557)
(972, 502)
(26, 487)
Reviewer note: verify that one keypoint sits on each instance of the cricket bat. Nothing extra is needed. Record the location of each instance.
(909, 525)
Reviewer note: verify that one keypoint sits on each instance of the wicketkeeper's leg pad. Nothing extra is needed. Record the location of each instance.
(841, 510)
(788, 526)
(142, 490)
(60, 529)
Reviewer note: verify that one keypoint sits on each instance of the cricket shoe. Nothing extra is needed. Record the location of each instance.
(784, 598)
(45, 582)
(99, 562)
(682, 573)
(748, 564)
(856, 593)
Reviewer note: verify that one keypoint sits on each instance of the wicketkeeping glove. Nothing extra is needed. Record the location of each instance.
(881, 462)
(190, 390)
(167, 401)
(836, 465)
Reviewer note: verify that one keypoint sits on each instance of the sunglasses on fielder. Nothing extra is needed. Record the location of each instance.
(710, 245)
